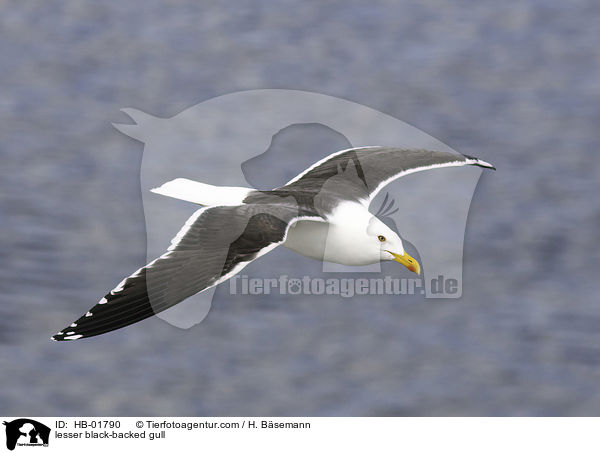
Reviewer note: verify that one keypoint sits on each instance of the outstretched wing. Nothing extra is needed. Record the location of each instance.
(360, 173)
(215, 244)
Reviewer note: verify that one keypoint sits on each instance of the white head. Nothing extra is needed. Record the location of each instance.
(360, 238)
(383, 239)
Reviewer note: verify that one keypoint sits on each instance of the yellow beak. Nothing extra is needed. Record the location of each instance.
(408, 261)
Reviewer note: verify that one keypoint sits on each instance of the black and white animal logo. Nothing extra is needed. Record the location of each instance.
(26, 432)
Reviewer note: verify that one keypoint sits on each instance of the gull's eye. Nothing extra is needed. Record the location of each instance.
(381, 238)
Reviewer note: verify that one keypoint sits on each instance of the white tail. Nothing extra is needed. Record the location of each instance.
(202, 194)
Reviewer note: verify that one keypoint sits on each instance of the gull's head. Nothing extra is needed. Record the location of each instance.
(356, 237)
(384, 241)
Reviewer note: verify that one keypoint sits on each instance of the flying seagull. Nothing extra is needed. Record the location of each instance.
(322, 213)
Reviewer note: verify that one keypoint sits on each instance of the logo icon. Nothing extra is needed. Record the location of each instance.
(26, 432)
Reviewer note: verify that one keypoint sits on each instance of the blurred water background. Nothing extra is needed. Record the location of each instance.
(516, 83)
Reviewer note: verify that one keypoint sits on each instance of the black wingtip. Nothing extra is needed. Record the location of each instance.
(479, 163)
(69, 336)
(486, 165)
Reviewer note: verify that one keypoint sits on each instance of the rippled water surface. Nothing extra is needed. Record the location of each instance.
(515, 83)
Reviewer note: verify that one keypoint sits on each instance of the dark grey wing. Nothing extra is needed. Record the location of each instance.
(358, 174)
(215, 244)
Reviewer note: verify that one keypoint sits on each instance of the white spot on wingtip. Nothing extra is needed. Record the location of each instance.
(119, 287)
(74, 324)
(88, 314)
(103, 301)
(73, 337)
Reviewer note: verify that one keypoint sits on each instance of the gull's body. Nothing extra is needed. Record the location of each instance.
(338, 239)
(322, 213)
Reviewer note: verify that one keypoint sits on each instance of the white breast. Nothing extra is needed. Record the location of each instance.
(343, 239)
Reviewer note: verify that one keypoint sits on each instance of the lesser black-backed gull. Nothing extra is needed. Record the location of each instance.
(322, 213)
